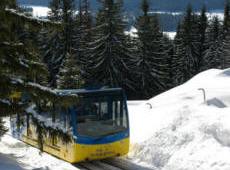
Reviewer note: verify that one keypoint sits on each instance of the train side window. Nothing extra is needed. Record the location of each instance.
(103, 110)
(125, 114)
(55, 141)
(116, 112)
(63, 118)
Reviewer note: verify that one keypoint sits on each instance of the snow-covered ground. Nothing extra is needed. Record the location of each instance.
(7, 163)
(176, 130)
(133, 33)
(210, 14)
(39, 11)
(29, 157)
(171, 35)
(218, 14)
(182, 131)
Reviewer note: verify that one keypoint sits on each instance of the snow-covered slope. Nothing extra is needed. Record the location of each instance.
(39, 11)
(181, 131)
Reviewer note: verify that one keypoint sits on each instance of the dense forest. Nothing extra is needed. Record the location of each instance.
(71, 51)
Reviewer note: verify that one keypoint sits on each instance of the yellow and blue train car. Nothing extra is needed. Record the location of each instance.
(98, 125)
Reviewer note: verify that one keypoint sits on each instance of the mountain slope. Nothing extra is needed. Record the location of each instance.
(165, 5)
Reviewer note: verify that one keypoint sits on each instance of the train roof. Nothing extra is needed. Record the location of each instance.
(89, 91)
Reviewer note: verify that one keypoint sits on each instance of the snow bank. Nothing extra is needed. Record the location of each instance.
(182, 131)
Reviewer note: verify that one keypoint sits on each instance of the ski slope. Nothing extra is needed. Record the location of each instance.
(176, 130)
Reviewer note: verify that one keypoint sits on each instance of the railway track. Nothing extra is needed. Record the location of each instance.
(110, 164)
(96, 165)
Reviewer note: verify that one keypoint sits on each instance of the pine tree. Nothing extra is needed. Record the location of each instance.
(203, 24)
(70, 74)
(213, 54)
(52, 51)
(55, 44)
(226, 37)
(168, 68)
(187, 47)
(109, 56)
(177, 63)
(51, 44)
(19, 63)
(226, 24)
(153, 51)
(225, 63)
(82, 36)
(22, 72)
(67, 7)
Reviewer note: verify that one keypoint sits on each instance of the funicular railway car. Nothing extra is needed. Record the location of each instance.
(97, 124)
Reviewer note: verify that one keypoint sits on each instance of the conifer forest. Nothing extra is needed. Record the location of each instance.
(73, 50)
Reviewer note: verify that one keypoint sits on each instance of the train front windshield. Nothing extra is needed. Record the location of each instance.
(99, 116)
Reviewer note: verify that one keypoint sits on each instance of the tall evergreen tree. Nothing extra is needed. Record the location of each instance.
(51, 43)
(21, 71)
(109, 55)
(67, 7)
(214, 52)
(203, 24)
(52, 51)
(70, 75)
(226, 37)
(226, 24)
(69, 24)
(225, 63)
(56, 43)
(187, 47)
(177, 64)
(82, 36)
(20, 65)
(152, 64)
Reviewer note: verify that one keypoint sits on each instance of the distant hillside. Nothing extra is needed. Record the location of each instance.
(162, 5)
(168, 21)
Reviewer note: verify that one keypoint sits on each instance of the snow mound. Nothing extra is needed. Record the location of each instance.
(181, 131)
(225, 73)
(216, 102)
